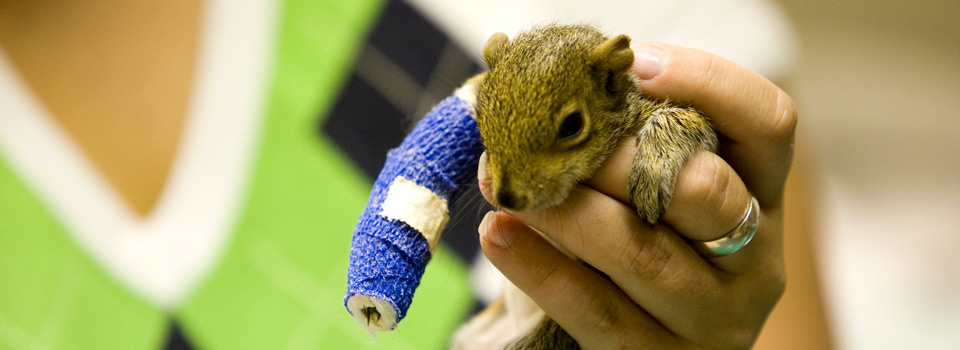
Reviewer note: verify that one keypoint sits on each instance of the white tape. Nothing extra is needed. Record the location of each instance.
(418, 207)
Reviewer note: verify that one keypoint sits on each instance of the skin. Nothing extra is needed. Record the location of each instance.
(116, 77)
(660, 294)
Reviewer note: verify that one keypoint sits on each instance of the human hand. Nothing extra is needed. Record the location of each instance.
(659, 292)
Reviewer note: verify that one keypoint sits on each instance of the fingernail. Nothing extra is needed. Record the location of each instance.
(482, 167)
(484, 223)
(500, 238)
(647, 61)
(483, 181)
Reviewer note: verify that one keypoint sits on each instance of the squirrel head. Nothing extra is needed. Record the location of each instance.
(551, 107)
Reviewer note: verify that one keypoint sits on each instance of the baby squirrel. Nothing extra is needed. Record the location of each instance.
(553, 105)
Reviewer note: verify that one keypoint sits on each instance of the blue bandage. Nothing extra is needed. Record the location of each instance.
(388, 254)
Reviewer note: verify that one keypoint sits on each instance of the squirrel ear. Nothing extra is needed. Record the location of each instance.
(613, 55)
(496, 46)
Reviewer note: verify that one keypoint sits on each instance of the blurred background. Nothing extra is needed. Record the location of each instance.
(878, 87)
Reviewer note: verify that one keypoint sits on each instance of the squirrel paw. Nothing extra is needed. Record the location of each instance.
(664, 142)
(651, 187)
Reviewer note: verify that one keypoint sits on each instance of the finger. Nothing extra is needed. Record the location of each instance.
(590, 308)
(652, 265)
(657, 269)
(709, 198)
(660, 272)
(594, 227)
(708, 201)
(756, 118)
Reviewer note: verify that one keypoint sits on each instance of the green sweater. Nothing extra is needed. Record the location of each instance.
(279, 281)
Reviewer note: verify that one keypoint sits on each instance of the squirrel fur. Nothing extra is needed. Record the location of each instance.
(554, 104)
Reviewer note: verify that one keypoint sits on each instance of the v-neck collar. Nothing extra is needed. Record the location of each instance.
(163, 255)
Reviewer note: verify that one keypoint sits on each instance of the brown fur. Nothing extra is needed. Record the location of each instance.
(547, 335)
(533, 84)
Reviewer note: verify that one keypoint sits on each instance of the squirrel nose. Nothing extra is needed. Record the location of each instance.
(506, 200)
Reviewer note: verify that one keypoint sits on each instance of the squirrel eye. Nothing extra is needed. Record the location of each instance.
(572, 125)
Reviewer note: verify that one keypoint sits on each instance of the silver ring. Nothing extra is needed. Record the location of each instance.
(736, 239)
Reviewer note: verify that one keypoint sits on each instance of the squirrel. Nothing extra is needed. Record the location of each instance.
(553, 105)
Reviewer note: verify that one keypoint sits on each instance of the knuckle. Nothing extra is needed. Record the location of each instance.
(734, 333)
(713, 74)
(742, 338)
(744, 308)
(707, 181)
(614, 327)
(647, 256)
(603, 316)
(741, 331)
(784, 123)
(780, 287)
(546, 279)
(776, 286)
